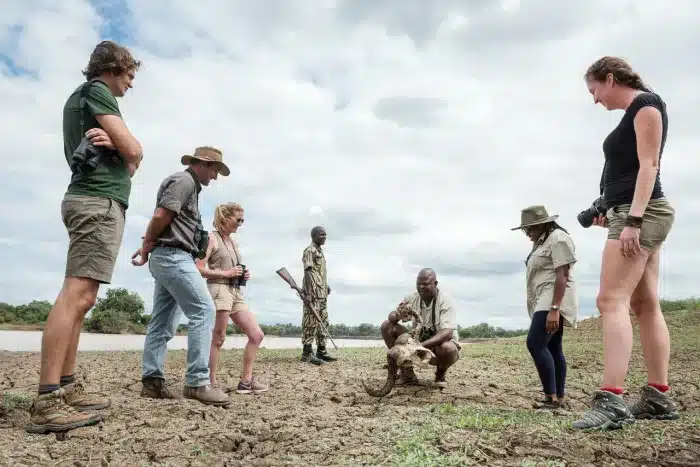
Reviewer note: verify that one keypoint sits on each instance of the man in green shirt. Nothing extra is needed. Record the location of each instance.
(93, 210)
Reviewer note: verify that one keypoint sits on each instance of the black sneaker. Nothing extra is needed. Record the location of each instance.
(655, 404)
(546, 404)
(608, 412)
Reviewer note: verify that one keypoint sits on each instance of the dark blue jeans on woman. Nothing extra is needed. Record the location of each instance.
(548, 354)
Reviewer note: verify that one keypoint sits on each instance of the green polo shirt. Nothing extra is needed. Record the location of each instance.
(110, 179)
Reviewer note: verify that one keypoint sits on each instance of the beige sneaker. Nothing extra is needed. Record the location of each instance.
(207, 394)
(51, 413)
(76, 397)
(250, 387)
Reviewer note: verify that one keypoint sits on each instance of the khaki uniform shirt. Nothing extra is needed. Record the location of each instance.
(556, 250)
(445, 313)
(313, 259)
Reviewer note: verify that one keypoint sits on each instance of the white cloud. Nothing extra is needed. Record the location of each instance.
(433, 122)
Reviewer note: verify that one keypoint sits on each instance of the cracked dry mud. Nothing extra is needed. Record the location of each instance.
(322, 416)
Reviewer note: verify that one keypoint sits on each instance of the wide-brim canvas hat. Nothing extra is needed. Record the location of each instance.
(534, 215)
(209, 154)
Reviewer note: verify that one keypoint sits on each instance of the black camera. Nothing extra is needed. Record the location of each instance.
(201, 239)
(87, 156)
(585, 218)
(427, 333)
(241, 278)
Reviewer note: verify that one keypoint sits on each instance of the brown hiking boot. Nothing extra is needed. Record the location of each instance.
(207, 394)
(76, 397)
(155, 388)
(51, 413)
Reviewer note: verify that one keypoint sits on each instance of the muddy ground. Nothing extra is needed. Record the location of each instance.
(321, 416)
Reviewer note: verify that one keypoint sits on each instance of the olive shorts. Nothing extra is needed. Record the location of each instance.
(95, 228)
(227, 298)
(656, 222)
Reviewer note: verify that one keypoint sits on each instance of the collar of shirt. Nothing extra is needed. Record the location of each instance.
(194, 177)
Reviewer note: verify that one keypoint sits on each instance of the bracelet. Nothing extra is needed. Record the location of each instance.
(633, 221)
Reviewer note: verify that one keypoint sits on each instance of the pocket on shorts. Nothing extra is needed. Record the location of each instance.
(84, 211)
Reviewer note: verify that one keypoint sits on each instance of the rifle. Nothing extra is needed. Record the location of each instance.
(284, 274)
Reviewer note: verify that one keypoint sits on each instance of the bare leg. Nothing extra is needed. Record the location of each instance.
(653, 332)
(446, 355)
(618, 279)
(217, 341)
(59, 341)
(245, 320)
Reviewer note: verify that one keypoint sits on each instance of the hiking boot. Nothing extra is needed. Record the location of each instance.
(322, 354)
(76, 397)
(51, 413)
(608, 411)
(250, 387)
(406, 376)
(207, 394)
(440, 378)
(155, 388)
(308, 356)
(655, 404)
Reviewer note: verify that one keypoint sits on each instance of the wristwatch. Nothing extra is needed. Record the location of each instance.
(554, 308)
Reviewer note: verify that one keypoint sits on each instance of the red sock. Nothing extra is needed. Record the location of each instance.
(617, 391)
(660, 387)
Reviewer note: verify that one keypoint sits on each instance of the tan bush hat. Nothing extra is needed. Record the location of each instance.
(533, 215)
(209, 154)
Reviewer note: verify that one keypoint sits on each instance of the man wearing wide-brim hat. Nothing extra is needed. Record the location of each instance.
(552, 301)
(174, 238)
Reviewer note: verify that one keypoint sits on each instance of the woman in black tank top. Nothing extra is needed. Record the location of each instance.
(638, 218)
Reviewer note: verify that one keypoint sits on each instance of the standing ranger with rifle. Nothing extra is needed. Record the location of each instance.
(315, 291)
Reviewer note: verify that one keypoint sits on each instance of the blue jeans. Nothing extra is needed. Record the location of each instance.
(178, 286)
(547, 352)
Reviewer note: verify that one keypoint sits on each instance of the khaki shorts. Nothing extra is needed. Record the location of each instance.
(227, 298)
(656, 224)
(95, 229)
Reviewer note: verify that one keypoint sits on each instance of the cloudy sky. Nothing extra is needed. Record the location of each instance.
(414, 131)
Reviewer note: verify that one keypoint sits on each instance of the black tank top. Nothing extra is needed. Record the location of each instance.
(620, 149)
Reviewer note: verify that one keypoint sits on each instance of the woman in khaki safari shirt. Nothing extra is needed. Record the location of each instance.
(552, 302)
(223, 275)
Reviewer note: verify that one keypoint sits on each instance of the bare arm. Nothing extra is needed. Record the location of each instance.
(648, 128)
(560, 280)
(160, 220)
(128, 146)
(441, 336)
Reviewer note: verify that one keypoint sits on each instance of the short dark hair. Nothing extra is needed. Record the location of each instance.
(108, 56)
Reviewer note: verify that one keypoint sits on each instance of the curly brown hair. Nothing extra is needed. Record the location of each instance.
(109, 56)
(621, 70)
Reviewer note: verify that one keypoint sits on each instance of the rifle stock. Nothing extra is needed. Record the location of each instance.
(284, 274)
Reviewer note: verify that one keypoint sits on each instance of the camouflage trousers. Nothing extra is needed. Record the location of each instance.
(309, 323)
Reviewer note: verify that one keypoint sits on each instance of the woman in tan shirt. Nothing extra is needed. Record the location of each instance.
(552, 302)
(223, 270)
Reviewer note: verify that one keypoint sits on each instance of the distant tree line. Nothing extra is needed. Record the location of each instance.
(122, 312)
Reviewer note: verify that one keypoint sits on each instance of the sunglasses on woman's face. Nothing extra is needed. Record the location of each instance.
(240, 221)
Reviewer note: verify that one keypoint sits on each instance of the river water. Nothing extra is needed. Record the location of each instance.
(30, 341)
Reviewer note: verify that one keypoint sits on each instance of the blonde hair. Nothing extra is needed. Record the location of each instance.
(224, 212)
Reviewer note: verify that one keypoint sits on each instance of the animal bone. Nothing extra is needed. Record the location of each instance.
(405, 353)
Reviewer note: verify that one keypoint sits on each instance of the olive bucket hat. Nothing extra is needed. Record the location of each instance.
(534, 215)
